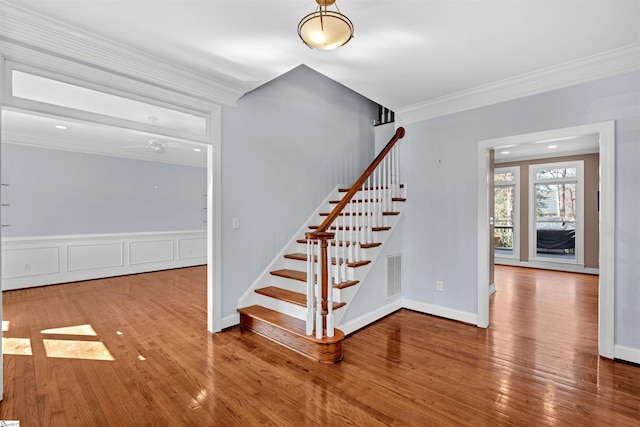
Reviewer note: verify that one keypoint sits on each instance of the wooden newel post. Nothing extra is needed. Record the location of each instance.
(323, 278)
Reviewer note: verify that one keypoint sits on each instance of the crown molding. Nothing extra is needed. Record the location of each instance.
(614, 62)
(22, 31)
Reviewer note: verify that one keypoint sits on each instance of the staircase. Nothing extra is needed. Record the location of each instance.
(305, 291)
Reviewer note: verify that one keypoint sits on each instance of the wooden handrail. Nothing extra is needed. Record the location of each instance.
(323, 317)
(357, 185)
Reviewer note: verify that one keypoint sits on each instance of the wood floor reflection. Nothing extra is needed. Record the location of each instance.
(134, 351)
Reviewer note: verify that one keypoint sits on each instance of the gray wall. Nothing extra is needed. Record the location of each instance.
(440, 167)
(284, 148)
(55, 192)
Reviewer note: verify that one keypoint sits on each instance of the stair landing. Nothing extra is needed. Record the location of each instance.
(291, 332)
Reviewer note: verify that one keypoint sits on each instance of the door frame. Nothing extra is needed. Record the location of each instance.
(606, 283)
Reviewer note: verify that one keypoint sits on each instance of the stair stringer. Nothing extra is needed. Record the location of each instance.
(346, 295)
(250, 297)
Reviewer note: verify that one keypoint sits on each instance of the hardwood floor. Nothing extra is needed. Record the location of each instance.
(134, 351)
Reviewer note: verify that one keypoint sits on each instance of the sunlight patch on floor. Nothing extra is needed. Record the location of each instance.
(17, 346)
(86, 330)
(69, 349)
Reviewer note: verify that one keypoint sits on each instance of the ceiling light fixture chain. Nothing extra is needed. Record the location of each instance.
(325, 29)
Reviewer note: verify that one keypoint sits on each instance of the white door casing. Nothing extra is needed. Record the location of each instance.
(606, 313)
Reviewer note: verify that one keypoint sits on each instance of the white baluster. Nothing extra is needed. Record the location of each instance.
(334, 269)
(394, 172)
(384, 184)
(356, 246)
(376, 190)
(363, 225)
(318, 287)
(397, 158)
(350, 232)
(380, 197)
(370, 211)
(388, 190)
(344, 248)
(365, 193)
(309, 287)
(330, 329)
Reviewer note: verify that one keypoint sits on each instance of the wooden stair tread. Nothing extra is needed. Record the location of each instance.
(387, 213)
(302, 277)
(362, 245)
(291, 333)
(340, 228)
(344, 190)
(291, 274)
(292, 297)
(303, 257)
(292, 324)
(395, 199)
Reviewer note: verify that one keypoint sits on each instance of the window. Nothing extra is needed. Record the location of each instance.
(33, 89)
(507, 212)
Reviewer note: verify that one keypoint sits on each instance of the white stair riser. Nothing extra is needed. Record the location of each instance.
(284, 307)
(297, 286)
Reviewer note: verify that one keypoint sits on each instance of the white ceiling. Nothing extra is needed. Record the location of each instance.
(43, 131)
(404, 52)
(539, 149)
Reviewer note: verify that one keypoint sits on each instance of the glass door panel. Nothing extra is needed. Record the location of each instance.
(504, 219)
(555, 215)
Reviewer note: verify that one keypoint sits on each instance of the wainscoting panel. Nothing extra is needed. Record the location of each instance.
(93, 256)
(192, 247)
(30, 262)
(47, 260)
(152, 251)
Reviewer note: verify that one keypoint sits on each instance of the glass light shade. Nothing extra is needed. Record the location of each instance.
(325, 30)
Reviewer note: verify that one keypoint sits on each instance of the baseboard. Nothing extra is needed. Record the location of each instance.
(628, 354)
(492, 289)
(230, 321)
(48, 260)
(547, 265)
(367, 319)
(437, 310)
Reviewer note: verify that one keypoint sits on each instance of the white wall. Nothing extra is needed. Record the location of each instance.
(371, 302)
(284, 148)
(439, 167)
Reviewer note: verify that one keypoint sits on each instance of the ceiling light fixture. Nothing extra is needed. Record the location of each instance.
(325, 29)
(61, 127)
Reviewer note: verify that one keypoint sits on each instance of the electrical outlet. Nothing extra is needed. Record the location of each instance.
(27, 267)
(439, 285)
(235, 223)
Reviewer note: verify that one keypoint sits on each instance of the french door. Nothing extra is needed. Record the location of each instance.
(556, 206)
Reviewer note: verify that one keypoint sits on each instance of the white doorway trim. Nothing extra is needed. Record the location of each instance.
(606, 313)
(214, 225)
(2, 86)
(144, 91)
